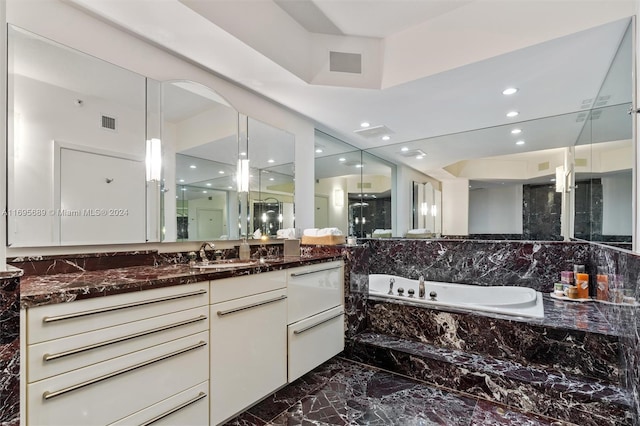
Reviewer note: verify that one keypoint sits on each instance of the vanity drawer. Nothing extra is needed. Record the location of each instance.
(109, 391)
(66, 319)
(59, 356)
(314, 340)
(190, 407)
(314, 288)
(233, 288)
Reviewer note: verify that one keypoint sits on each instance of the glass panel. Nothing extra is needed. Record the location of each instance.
(272, 154)
(200, 143)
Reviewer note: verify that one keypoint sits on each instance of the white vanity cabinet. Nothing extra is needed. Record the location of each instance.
(315, 315)
(248, 341)
(102, 360)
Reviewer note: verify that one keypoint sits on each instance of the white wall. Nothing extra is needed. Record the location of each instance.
(404, 197)
(496, 210)
(455, 206)
(617, 201)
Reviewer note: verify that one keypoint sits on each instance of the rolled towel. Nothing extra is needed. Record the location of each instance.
(418, 231)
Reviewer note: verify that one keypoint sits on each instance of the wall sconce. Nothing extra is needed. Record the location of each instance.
(338, 198)
(424, 209)
(434, 210)
(560, 179)
(243, 175)
(154, 160)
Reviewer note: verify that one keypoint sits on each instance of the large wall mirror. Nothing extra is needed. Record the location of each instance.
(559, 177)
(200, 143)
(76, 147)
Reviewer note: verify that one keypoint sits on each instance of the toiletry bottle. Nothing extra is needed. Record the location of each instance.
(581, 280)
(602, 281)
(245, 251)
(421, 291)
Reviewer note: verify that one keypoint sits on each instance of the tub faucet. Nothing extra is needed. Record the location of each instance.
(203, 253)
(421, 290)
(391, 281)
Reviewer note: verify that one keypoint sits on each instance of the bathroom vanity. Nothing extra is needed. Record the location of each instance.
(180, 346)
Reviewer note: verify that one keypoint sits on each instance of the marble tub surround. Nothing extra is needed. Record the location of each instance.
(10, 348)
(341, 392)
(533, 264)
(569, 351)
(39, 290)
(529, 388)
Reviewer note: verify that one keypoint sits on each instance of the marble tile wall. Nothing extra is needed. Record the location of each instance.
(10, 349)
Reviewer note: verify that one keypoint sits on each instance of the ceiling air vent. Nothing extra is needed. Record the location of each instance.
(374, 132)
(581, 162)
(108, 123)
(345, 62)
(543, 166)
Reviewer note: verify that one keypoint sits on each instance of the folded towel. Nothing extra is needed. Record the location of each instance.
(311, 232)
(328, 231)
(287, 233)
(418, 231)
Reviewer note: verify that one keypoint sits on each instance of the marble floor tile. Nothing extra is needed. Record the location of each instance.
(341, 392)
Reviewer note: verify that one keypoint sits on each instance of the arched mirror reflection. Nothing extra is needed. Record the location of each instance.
(200, 143)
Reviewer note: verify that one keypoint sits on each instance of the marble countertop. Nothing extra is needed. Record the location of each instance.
(10, 272)
(40, 290)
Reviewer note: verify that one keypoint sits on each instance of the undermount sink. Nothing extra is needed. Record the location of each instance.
(223, 265)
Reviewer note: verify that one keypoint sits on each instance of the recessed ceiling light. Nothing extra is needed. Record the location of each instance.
(221, 172)
(512, 114)
(342, 159)
(270, 178)
(516, 131)
(365, 124)
(509, 91)
(520, 143)
(229, 187)
(184, 189)
(204, 192)
(358, 166)
(386, 138)
(419, 157)
(318, 150)
(270, 161)
(553, 179)
(404, 149)
(243, 154)
(250, 176)
(181, 180)
(208, 184)
(193, 166)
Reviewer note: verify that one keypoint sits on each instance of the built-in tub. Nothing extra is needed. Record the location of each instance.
(517, 301)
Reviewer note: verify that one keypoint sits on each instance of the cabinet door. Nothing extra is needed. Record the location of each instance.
(314, 340)
(314, 288)
(248, 351)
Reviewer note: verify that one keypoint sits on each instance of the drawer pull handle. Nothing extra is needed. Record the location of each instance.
(297, 274)
(317, 324)
(197, 398)
(255, 305)
(118, 307)
(51, 357)
(49, 395)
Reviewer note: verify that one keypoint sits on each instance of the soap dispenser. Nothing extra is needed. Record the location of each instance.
(245, 250)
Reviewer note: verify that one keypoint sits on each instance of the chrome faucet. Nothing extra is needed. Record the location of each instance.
(421, 289)
(391, 281)
(203, 253)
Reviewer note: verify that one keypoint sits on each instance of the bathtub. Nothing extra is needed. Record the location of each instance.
(517, 301)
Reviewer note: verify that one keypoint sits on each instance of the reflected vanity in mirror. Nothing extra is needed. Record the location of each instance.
(200, 141)
(76, 147)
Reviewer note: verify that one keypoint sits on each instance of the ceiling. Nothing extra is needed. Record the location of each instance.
(429, 67)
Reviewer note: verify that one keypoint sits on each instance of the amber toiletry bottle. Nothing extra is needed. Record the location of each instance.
(581, 281)
(602, 281)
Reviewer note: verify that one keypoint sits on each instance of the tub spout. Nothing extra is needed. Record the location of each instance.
(391, 281)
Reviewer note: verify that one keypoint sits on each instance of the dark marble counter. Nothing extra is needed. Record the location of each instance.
(37, 290)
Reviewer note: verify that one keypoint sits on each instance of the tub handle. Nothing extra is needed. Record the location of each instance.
(391, 282)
